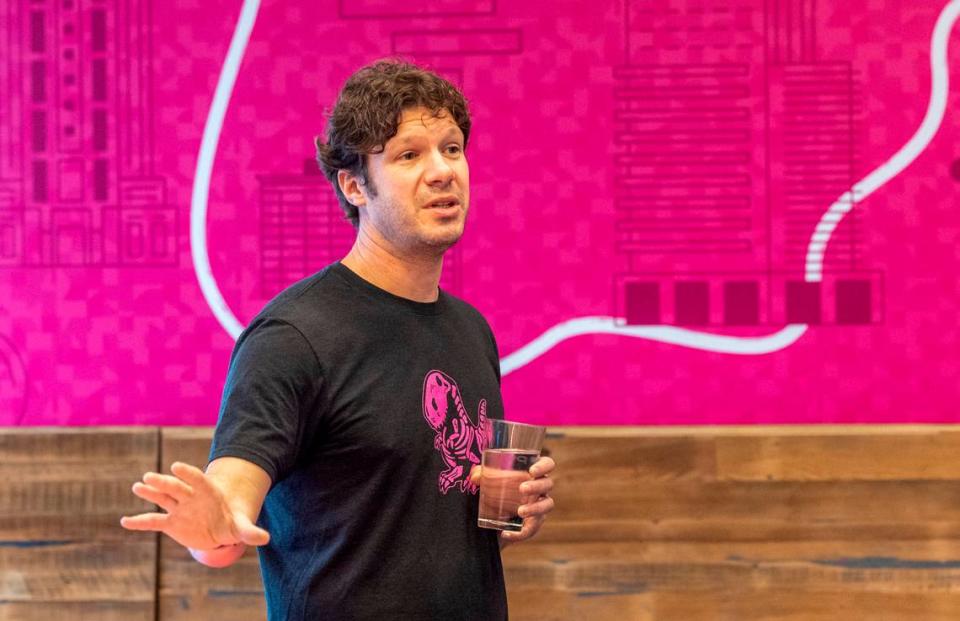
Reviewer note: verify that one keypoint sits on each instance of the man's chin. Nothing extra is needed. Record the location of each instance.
(441, 240)
(438, 245)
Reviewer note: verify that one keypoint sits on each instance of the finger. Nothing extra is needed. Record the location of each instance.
(537, 487)
(167, 484)
(543, 467)
(191, 474)
(507, 535)
(145, 521)
(530, 527)
(476, 473)
(164, 501)
(248, 532)
(536, 509)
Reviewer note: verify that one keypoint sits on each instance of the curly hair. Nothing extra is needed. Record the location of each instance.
(368, 111)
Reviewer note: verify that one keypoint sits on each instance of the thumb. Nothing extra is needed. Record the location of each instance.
(248, 532)
(475, 474)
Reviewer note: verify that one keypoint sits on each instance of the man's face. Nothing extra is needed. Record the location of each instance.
(422, 186)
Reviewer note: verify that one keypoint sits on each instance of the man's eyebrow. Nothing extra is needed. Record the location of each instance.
(401, 141)
(398, 142)
(454, 131)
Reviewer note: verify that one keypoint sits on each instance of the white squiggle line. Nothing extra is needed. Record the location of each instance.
(902, 158)
(664, 334)
(786, 336)
(201, 179)
(693, 339)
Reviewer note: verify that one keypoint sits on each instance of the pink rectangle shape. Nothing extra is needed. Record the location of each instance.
(692, 303)
(71, 180)
(446, 42)
(642, 302)
(148, 235)
(741, 303)
(803, 302)
(143, 192)
(71, 236)
(853, 301)
(387, 9)
(11, 233)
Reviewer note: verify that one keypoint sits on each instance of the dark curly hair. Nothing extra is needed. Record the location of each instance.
(368, 111)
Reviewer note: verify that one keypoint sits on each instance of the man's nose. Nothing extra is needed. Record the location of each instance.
(439, 170)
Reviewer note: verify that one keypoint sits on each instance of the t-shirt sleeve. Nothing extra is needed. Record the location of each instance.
(273, 381)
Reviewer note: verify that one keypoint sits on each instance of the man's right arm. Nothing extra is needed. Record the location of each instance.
(244, 486)
(274, 372)
(211, 513)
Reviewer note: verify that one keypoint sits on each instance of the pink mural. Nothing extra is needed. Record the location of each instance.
(684, 212)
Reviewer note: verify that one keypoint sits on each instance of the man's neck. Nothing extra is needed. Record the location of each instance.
(414, 278)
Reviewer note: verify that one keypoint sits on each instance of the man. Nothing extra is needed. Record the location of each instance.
(350, 418)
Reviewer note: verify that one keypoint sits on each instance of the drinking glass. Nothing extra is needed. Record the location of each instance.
(511, 448)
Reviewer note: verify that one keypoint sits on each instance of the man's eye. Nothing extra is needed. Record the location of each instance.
(407, 155)
(454, 149)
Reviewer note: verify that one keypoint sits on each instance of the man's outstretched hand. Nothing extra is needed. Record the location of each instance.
(202, 512)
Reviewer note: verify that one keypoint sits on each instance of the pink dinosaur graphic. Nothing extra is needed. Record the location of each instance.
(459, 441)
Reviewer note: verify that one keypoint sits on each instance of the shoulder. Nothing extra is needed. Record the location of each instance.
(301, 294)
(466, 313)
(462, 309)
(286, 319)
(313, 304)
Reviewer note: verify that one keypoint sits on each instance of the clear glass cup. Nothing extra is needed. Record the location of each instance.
(510, 450)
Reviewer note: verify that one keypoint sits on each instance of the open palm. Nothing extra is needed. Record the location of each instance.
(197, 514)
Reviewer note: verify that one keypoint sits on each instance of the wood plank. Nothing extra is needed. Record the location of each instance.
(601, 528)
(76, 611)
(550, 605)
(583, 459)
(639, 508)
(735, 580)
(797, 605)
(62, 551)
(718, 483)
(846, 457)
(788, 605)
(611, 568)
(189, 591)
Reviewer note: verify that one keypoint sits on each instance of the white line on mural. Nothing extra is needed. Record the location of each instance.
(201, 179)
(902, 158)
(694, 339)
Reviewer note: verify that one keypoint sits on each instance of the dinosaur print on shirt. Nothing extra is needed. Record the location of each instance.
(459, 441)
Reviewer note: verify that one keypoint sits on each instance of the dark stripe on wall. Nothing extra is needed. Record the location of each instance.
(98, 30)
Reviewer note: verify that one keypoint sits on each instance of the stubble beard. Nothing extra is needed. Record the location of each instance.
(416, 242)
(443, 242)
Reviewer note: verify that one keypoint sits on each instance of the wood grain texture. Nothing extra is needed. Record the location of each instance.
(63, 554)
(786, 523)
(685, 524)
(189, 591)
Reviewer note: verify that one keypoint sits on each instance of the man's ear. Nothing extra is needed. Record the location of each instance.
(351, 187)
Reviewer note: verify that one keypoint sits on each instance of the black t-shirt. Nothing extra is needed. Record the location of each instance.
(364, 408)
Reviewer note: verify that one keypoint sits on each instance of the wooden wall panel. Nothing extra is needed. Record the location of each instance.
(189, 591)
(665, 524)
(63, 554)
(810, 523)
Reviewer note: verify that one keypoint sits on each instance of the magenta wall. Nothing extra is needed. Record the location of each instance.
(684, 211)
